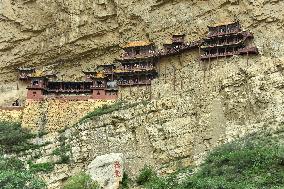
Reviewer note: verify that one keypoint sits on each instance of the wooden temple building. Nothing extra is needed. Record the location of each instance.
(137, 65)
(25, 73)
(227, 39)
(178, 46)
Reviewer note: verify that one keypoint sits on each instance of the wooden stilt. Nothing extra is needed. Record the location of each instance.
(130, 85)
(209, 60)
(120, 90)
(199, 56)
(217, 55)
(225, 53)
(247, 58)
(174, 81)
(111, 73)
(159, 67)
(165, 74)
(150, 90)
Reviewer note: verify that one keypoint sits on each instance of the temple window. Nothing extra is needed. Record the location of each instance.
(137, 51)
(35, 82)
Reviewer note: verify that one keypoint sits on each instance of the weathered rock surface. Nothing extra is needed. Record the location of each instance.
(69, 35)
(199, 108)
(107, 170)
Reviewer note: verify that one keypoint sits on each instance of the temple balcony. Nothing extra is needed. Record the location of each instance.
(69, 90)
(24, 76)
(225, 54)
(221, 33)
(151, 54)
(225, 44)
(135, 69)
(98, 86)
(35, 87)
(242, 51)
(248, 50)
(178, 39)
(133, 83)
(172, 49)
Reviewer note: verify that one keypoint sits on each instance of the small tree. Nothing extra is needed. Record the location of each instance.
(81, 181)
(13, 175)
(146, 175)
(13, 137)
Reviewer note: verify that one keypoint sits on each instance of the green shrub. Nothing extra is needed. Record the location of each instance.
(41, 167)
(81, 181)
(105, 109)
(256, 161)
(126, 181)
(252, 162)
(13, 138)
(13, 175)
(64, 159)
(146, 175)
(62, 151)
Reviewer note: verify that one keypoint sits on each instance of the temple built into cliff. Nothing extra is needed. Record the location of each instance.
(138, 65)
(227, 39)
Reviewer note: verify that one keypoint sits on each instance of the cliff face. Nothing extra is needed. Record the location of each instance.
(73, 35)
(209, 105)
(177, 127)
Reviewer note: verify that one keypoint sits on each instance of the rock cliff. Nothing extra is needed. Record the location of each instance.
(69, 36)
(192, 109)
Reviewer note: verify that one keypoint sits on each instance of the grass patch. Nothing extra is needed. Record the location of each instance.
(81, 181)
(41, 167)
(126, 181)
(63, 151)
(256, 161)
(14, 138)
(105, 109)
(14, 175)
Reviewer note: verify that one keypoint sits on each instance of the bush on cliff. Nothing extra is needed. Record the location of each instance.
(14, 175)
(256, 161)
(81, 181)
(13, 138)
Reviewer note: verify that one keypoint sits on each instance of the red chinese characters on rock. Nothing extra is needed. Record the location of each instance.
(117, 168)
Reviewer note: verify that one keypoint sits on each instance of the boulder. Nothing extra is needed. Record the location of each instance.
(107, 170)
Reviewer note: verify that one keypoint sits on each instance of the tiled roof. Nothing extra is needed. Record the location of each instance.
(137, 44)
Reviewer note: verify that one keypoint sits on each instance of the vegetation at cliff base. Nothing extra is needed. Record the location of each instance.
(105, 109)
(14, 175)
(256, 161)
(81, 181)
(14, 138)
(41, 167)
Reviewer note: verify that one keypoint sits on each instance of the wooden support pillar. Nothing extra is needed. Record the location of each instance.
(150, 88)
(181, 83)
(129, 87)
(209, 59)
(120, 93)
(111, 73)
(165, 74)
(247, 57)
(217, 54)
(174, 81)
(199, 49)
